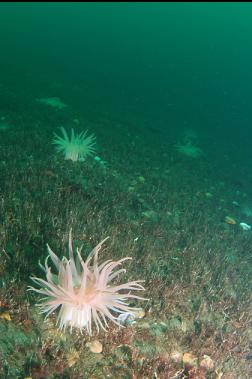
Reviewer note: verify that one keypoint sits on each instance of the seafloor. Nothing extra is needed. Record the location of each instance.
(165, 210)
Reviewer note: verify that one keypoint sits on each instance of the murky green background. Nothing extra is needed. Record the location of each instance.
(180, 64)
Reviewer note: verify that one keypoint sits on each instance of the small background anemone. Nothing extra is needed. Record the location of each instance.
(76, 147)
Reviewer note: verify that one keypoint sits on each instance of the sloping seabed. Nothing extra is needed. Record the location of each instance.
(165, 210)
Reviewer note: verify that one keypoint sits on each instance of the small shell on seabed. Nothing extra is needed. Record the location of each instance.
(230, 220)
(128, 318)
(176, 356)
(207, 363)
(190, 359)
(5, 316)
(94, 346)
(245, 226)
(139, 313)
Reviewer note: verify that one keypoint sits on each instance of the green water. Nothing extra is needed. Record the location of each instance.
(165, 91)
(177, 62)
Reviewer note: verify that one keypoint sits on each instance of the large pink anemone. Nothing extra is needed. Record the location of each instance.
(83, 290)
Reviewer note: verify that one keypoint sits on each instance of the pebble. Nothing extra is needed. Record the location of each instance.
(94, 346)
(207, 363)
(190, 359)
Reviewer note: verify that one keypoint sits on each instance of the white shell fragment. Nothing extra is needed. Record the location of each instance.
(245, 226)
(126, 319)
